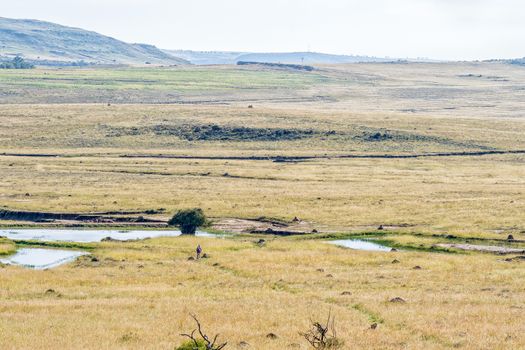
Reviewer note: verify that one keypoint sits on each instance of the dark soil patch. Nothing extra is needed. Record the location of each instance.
(273, 221)
(398, 300)
(516, 258)
(262, 225)
(270, 231)
(51, 217)
(214, 132)
(277, 65)
(382, 135)
(483, 248)
(377, 136)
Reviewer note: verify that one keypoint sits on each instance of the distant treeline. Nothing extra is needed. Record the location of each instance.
(21, 63)
(16, 63)
(278, 65)
(53, 63)
(518, 61)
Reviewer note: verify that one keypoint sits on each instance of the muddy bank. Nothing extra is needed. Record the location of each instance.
(78, 237)
(509, 239)
(34, 216)
(283, 233)
(263, 226)
(214, 132)
(483, 248)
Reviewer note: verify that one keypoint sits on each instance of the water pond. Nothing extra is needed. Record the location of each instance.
(360, 244)
(86, 236)
(40, 259)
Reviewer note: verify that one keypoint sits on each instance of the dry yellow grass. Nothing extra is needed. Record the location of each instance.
(90, 128)
(460, 194)
(140, 294)
(452, 195)
(6, 247)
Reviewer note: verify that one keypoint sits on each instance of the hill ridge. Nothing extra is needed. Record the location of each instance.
(43, 41)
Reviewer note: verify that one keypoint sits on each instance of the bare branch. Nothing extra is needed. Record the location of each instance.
(323, 336)
(192, 338)
(209, 344)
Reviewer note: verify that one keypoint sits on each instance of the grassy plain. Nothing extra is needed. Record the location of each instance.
(456, 195)
(139, 294)
(468, 194)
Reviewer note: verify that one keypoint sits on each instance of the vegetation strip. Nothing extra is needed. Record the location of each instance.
(68, 245)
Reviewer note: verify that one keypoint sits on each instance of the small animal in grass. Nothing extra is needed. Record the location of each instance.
(199, 251)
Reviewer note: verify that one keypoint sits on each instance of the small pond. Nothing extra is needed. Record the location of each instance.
(86, 236)
(360, 244)
(40, 259)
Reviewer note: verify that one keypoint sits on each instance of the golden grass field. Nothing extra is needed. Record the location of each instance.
(116, 145)
(460, 194)
(139, 295)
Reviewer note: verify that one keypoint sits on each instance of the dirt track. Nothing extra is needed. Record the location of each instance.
(483, 248)
(106, 218)
(278, 158)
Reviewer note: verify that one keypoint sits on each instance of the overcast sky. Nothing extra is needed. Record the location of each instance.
(442, 29)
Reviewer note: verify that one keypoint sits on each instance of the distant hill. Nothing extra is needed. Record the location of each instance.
(232, 57)
(207, 57)
(307, 58)
(53, 44)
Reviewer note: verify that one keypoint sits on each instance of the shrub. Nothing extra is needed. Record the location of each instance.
(190, 345)
(204, 343)
(188, 220)
(17, 63)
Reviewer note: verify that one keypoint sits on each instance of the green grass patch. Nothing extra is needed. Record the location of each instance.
(372, 316)
(179, 79)
(66, 245)
(7, 247)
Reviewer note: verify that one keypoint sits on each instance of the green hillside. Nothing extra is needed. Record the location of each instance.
(53, 44)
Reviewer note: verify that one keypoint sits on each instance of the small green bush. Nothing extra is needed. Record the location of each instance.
(190, 345)
(188, 220)
(17, 63)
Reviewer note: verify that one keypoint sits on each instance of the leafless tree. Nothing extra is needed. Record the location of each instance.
(210, 345)
(323, 336)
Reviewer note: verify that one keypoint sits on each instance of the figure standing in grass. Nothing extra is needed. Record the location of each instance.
(199, 251)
